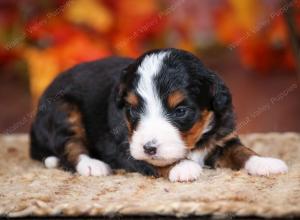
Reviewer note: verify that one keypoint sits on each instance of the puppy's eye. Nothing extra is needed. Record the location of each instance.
(180, 112)
(131, 112)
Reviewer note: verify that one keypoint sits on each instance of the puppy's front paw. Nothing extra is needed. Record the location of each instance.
(185, 171)
(92, 167)
(265, 166)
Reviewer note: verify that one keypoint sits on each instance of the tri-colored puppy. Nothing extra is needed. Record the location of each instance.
(163, 114)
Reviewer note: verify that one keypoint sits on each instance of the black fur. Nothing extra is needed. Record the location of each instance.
(91, 86)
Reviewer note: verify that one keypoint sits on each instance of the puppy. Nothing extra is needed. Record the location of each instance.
(163, 114)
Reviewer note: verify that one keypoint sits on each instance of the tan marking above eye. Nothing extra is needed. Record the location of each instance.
(132, 99)
(191, 136)
(175, 98)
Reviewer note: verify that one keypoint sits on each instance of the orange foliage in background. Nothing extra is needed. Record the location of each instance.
(86, 30)
(261, 40)
(68, 32)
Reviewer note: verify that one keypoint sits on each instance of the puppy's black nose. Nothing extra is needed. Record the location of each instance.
(150, 148)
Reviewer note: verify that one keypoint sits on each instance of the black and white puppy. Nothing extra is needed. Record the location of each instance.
(163, 114)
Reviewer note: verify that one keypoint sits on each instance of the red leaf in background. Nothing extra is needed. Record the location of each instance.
(7, 56)
(56, 30)
(268, 49)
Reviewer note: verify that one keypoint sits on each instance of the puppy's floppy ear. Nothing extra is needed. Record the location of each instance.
(121, 89)
(127, 79)
(221, 94)
(221, 104)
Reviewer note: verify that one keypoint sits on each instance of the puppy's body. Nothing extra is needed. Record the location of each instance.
(163, 114)
(77, 115)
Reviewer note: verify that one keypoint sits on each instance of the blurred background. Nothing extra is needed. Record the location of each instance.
(252, 44)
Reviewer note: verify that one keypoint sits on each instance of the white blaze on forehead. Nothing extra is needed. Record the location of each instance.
(153, 125)
(148, 69)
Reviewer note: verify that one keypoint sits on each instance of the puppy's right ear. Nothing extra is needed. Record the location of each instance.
(121, 89)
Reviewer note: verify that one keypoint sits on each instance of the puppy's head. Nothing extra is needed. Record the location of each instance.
(170, 100)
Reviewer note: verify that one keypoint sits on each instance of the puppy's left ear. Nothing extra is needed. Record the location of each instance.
(221, 95)
(221, 104)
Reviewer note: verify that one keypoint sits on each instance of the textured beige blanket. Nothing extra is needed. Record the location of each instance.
(27, 188)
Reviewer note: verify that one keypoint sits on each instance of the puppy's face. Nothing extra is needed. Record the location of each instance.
(167, 103)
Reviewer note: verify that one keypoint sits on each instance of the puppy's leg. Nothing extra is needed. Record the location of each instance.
(236, 156)
(76, 152)
(58, 138)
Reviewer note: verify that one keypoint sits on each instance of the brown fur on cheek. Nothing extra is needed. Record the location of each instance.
(191, 136)
(133, 100)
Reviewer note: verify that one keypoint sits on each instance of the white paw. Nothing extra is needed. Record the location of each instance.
(92, 167)
(264, 166)
(185, 171)
(51, 162)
